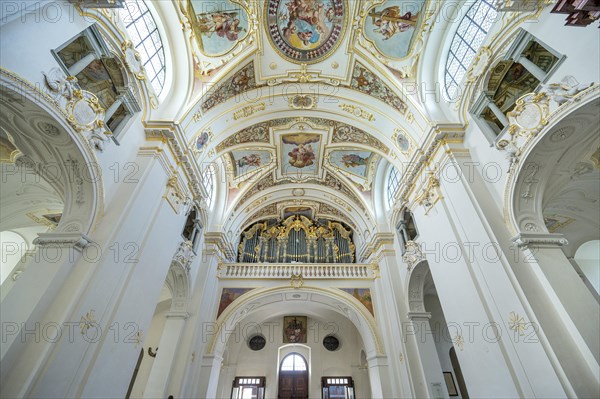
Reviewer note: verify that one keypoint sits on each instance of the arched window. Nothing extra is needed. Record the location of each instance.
(208, 180)
(293, 362)
(393, 184)
(467, 40)
(144, 34)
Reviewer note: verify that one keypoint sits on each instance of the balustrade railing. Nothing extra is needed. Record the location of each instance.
(306, 270)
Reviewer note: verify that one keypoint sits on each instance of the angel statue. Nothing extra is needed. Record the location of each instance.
(566, 89)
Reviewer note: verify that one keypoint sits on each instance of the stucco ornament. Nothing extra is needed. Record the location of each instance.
(565, 90)
(480, 64)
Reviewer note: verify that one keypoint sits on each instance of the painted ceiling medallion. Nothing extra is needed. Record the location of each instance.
(306, 31)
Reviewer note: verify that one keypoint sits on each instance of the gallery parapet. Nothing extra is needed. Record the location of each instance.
(308, 271)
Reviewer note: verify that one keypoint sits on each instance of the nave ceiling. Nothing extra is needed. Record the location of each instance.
(304, 102)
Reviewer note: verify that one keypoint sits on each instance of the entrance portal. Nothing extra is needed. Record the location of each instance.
(293, 377)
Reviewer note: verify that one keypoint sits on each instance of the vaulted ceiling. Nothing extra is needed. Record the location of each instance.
(304, 102)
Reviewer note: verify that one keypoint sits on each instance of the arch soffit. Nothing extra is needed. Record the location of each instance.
(340, 302)
(331, 101)
(525, 188)
(416, 283)
(240, 218)
(77, 174)
(178, 283)
(281, 198)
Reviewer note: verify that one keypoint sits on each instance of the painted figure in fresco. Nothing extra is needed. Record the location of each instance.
(306, 21)
(403, 142)
(224, 24)
(353, 160)
(301, 156)
(390, 22)
(201, 141)
(249, 160)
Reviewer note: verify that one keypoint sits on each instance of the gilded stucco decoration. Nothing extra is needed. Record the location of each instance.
(342, 133)
(480, 64)
(248, 110)
(357, 111)
(258, 133)
(133, 60)
(403, 141)
(367, 82)
(329, 181)
(242, 81)
(413, 255)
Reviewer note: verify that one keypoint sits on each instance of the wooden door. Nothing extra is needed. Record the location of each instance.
(293, 385)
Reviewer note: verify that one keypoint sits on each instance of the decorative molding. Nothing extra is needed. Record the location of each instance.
(302, 101)
(249, 111)
(241, 81)
(367, 82)
(87, 321)
(83, 112)
(413, 255)
(516, 323)
(430, 194)
(175, 195)
(357, 111)
(220, 241)
(76, 240)
(459, 342)
(303, 76)
(372, 247)
(133, 60)
(296, 281)
(184, 254)
(566, 90)
(540, 240)
(480, 64)
(168, 135)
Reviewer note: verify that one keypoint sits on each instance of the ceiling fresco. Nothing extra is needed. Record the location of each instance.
(305, 30)
(248, 161)
(341, 133)
(217, 25)
(392, 26)
(249, 54)
(362, 79)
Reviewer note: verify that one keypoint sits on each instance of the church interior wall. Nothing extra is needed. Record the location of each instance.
(242, 361)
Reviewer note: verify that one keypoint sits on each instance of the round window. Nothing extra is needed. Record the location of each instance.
(331, 343)
(257, 342)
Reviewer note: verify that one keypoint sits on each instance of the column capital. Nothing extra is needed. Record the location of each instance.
(76, 240)
(414, 316)
(177, 315)
(540, 240)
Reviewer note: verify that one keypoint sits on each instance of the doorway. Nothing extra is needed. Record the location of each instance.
(293, 377)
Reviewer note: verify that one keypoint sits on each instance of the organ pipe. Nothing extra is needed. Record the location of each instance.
(297, 239)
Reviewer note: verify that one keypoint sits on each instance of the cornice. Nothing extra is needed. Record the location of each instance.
(540, 240)
(373, 247)
(171, 133)
(220, 240)
(76, 240)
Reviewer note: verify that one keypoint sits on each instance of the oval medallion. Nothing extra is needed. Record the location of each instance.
(305, 31)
